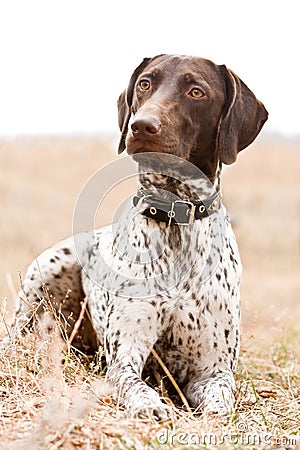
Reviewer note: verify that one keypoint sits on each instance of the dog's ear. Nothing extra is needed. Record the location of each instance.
(125, 102)
(242, 118)
(122, 109)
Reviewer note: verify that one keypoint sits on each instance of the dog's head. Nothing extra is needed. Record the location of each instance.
(191, 108)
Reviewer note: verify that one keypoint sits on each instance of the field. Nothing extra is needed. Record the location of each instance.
(47, 404)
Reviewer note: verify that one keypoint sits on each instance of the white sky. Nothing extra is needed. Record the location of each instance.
(63, 63)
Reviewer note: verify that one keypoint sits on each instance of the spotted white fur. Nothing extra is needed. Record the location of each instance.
(183, 301)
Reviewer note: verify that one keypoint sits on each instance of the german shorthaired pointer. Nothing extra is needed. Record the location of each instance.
(166, 275)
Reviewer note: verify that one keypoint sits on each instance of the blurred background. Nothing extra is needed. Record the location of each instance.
(64, 64)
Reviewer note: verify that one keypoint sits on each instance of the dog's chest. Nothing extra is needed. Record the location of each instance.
(141, 259)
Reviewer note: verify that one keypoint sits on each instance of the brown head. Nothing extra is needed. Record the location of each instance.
(188, 107)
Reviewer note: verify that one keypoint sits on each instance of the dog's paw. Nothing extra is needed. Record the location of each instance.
(149, 410)
(217, 410)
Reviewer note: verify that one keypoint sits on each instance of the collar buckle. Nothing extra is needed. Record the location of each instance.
(190, 212)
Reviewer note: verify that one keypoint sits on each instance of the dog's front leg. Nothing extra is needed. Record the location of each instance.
(214, 395)
(131, 332)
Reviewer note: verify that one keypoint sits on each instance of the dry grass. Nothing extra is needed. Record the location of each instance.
(53, 399)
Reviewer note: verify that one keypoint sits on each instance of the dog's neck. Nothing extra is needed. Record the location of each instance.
(173, 183)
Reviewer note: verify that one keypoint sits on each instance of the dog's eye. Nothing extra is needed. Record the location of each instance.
(144, 85)
(196, 93)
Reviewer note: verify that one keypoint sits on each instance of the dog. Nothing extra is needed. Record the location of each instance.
(166, 276)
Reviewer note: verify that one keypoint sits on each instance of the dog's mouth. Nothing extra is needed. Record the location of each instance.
(165, 154)
(135, 145)
(165, 159)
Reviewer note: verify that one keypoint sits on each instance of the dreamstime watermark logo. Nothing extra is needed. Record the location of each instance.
(130, 259)
(242, 437)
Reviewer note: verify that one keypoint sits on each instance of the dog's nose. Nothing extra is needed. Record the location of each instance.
(145, 125)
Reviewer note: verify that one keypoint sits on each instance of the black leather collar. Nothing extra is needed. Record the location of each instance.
(181, 212)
